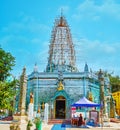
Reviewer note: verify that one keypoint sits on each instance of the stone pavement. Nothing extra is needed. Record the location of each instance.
(112, 126)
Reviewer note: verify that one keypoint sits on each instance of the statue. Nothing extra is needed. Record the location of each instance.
(60, 86)
(43, 105)
(31, 97)
(31, 107)
(90, 97)
(38, 110)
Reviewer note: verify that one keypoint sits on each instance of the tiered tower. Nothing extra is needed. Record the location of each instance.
(61, 49)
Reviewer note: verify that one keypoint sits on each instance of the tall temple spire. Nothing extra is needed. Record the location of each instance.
(61, 49)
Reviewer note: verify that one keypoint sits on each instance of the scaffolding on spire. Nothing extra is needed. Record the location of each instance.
(61, 48)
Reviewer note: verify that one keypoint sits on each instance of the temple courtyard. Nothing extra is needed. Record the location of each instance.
(4, 125)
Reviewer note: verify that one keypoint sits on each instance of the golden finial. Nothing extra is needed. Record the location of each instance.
(62, 20)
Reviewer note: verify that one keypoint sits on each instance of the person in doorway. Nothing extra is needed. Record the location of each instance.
(80, 121)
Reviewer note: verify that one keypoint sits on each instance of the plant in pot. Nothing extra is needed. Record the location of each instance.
(29, 125)
(38, 123)
(12, 127)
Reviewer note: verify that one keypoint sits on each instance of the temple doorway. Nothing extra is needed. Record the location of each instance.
(60, 107)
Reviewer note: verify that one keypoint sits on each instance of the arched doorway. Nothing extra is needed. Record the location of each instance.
(60, 107)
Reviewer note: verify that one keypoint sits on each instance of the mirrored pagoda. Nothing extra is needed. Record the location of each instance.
(62, 84)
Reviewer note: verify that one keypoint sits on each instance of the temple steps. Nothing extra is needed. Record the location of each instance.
(59, 121)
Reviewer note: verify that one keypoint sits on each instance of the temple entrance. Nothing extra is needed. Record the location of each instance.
(60, 107)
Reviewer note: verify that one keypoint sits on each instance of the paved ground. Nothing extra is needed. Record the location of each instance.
(112, 126)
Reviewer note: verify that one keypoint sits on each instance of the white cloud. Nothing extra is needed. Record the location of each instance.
(99, 47)
(24, 39)
(25, 31)
(98, 55)
(89, 9)
(29, 26)
(112, 8)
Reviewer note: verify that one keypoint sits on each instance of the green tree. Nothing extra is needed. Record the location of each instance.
(7, 88)
(115, 83)
(7, 61)
(7, 94)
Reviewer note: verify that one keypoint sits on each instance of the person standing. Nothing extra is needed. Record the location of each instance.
(80, 121)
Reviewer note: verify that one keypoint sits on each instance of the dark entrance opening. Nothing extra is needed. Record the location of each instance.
(60, 109)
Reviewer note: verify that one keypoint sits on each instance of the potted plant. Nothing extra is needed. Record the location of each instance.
(12, 127)
(38, 123)
(29, 125)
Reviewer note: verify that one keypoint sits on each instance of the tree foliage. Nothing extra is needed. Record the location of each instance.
(115, 79)
(115, 83)
(7, 88)
(7, 61)
(7, 94)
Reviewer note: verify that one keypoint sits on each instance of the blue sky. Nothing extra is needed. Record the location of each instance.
(26, 25)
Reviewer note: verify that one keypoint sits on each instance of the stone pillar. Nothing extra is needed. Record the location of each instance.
(23, 86)
(102, 96)
(30, 111)
(21, 118)
(46, 113)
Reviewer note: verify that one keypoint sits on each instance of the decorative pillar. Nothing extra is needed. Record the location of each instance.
(102, 96)
(23, 85)
(21, 119)
(46, 112)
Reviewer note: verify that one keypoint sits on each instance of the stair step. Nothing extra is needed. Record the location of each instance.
(59, 121)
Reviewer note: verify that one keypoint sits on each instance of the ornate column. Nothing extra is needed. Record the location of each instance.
(21, 118)
(102, 96)
(23, 85)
